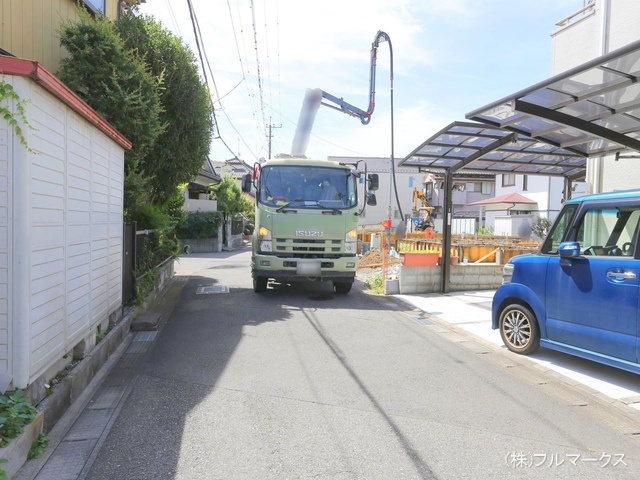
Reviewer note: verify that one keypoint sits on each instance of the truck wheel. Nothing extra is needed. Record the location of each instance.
(519, 329)
(260, 284)
(342, 287)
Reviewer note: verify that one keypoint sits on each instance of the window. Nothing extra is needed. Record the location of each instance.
(608, 231)
(487, 188)
(95, 6)
(559, 230)
(508, 180)
(473, 187)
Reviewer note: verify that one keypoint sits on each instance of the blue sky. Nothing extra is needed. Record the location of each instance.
(449, 58)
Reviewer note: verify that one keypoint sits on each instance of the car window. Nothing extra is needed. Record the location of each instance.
(608, 231)
(559, 230)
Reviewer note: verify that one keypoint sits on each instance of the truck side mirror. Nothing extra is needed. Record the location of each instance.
(246, 183)
(373, 181)
(371, 199)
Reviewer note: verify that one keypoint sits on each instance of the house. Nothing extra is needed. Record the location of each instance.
(600, 27)
(234, 166)
(197, 193)
(30, 27)
(405, 179)
(509, 215)
(595, 29)
(470, 187)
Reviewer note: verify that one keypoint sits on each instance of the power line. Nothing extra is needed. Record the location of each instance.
(255, 40)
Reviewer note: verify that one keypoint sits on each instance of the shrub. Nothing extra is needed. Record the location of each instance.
(15, 413)
(375, 283)
(540, 226)
(199, 225)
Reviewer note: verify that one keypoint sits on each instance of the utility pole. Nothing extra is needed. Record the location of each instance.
(270, 135)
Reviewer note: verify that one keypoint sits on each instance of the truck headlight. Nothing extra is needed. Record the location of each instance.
(351, 241)
(265, 243)
(507, 273)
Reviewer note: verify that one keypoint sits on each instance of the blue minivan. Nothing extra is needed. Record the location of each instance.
(579, 293)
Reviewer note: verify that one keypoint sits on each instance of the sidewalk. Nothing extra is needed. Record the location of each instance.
(75, 440)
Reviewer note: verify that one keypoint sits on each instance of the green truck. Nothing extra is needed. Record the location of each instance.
(306, 218)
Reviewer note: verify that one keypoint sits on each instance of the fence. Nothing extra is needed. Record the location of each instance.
(140, 247)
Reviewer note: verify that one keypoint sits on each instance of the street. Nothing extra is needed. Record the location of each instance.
(302, 383)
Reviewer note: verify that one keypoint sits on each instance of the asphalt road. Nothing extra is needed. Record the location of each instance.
(302, 383)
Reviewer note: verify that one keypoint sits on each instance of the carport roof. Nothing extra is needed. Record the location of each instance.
(548, 128)
(590, 110)
(484, 148)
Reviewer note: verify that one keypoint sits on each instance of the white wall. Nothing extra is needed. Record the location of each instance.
(589, 38)
(67, 200)
(5, 235)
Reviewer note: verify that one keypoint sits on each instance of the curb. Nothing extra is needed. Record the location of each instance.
(72, 386)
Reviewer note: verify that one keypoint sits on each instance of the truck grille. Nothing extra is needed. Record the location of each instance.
(306, 247)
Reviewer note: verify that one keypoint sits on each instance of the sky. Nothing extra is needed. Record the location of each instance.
(450, 57)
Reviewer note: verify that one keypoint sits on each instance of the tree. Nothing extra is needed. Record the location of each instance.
(118, 85)
(114, 81)
(231, 201)
(187, 112)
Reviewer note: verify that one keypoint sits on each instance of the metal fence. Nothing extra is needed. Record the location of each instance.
(140, 247)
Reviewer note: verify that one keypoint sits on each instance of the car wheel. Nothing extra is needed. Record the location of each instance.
(342, 287)
(519, 329)
(260, 284)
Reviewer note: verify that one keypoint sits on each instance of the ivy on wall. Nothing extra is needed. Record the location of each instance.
(7, 92)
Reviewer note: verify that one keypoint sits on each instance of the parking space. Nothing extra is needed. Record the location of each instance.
(471, 312)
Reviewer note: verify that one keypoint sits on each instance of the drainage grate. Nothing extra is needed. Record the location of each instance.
(211, 289)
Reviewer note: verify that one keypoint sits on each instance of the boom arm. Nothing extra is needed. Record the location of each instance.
(313, 100)
(342, 106)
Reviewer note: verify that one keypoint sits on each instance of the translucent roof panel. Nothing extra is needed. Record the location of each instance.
(488, 149)
(591, 110)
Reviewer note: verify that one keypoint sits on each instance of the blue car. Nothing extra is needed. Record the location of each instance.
(579, 293)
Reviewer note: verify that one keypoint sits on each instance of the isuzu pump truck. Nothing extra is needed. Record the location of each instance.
(306, 217)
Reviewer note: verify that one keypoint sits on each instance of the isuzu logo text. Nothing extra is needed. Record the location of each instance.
(309, 233)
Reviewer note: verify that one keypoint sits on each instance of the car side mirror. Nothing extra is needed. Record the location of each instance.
(371, 199)
(569, 250)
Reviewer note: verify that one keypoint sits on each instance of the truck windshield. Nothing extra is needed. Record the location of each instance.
(310, 187)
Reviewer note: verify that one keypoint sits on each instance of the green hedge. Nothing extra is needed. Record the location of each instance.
(199, 225)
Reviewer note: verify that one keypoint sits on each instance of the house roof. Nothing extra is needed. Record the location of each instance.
(509, 198)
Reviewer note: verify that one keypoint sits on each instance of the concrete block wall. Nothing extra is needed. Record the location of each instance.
(469, 276)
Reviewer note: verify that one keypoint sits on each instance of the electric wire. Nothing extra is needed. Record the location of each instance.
(248, 83)
(173, 17)
(255, 39)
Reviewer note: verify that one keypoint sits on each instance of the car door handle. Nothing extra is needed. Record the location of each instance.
(621, 275)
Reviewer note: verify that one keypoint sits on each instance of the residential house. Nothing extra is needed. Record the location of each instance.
(470, 187)
(197, 193)
(601, 26)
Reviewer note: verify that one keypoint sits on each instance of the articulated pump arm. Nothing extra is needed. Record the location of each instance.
(342, 106)
(314, 98)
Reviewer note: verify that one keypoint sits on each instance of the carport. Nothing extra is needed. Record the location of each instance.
(550, 128)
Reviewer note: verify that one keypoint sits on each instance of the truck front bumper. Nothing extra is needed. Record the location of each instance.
(290, 269)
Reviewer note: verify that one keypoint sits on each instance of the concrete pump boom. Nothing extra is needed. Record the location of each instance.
(313, 100)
